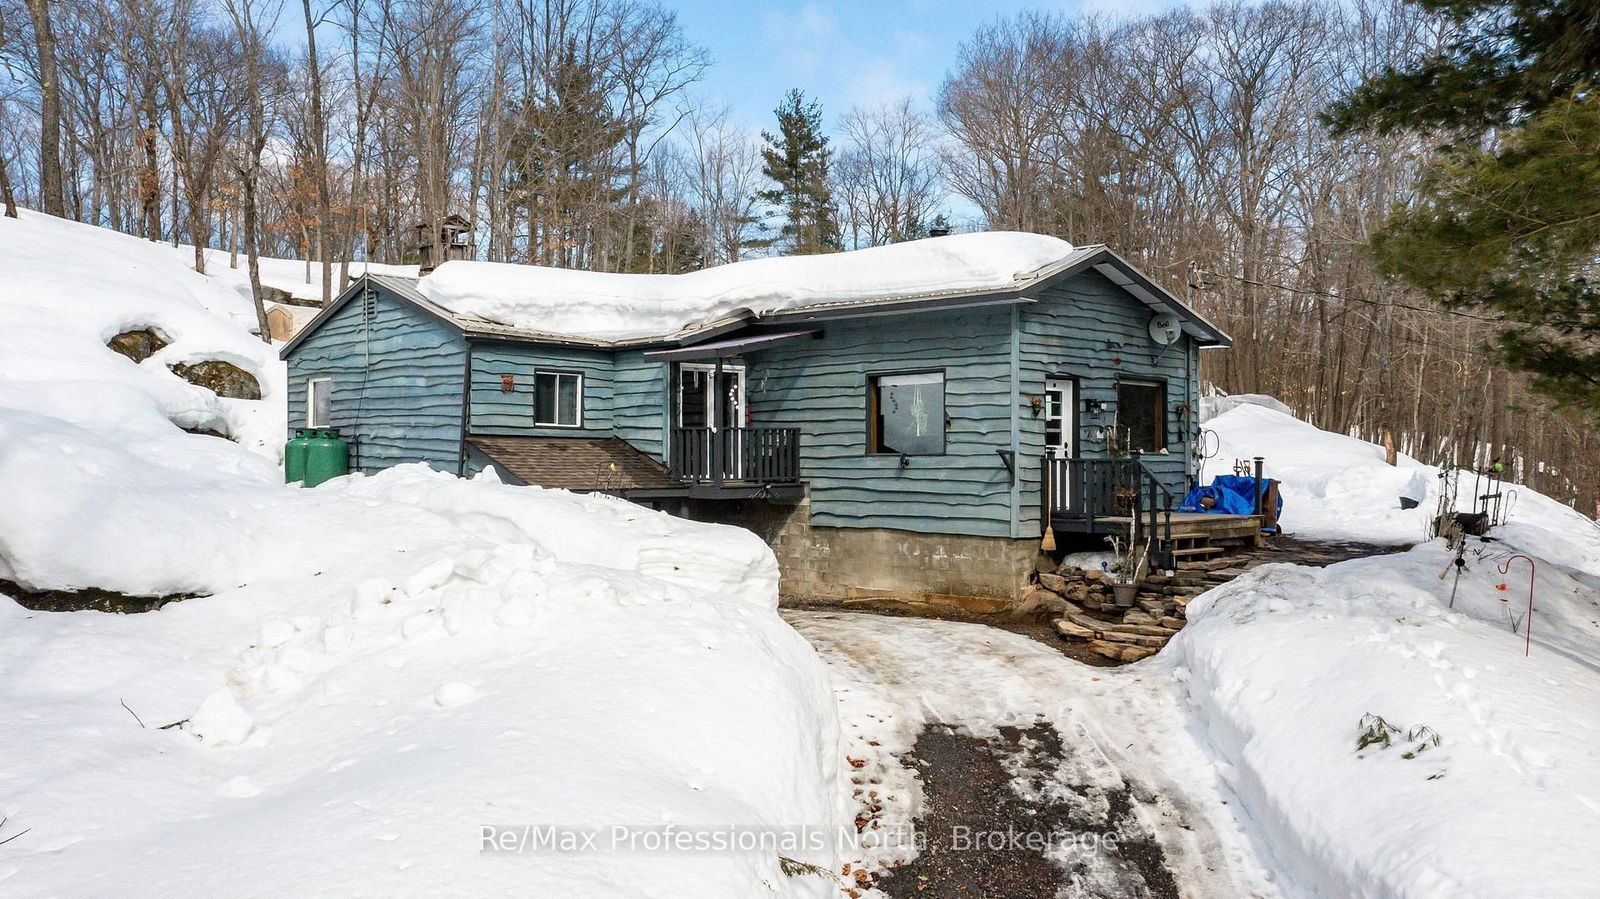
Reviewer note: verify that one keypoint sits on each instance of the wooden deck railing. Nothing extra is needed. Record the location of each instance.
(1090, 491)
(760, 455)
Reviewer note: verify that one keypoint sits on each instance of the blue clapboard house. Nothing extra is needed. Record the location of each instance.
(903, 446)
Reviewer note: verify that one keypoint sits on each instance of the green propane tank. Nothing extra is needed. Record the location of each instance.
(326, 457)
(294, 457)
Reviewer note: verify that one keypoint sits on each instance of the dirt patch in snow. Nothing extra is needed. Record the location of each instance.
(1005, 817)
(86, 599)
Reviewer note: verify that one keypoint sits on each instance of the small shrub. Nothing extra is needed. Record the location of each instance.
(796, 868)
(1375, 731)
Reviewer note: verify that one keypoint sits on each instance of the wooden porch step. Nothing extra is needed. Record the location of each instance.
(1198, 552)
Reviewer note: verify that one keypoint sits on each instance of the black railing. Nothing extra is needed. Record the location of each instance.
(1098, 493)
(760, 455)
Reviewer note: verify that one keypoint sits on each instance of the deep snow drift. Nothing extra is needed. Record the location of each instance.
(1284, 666)
(383, 666)
(617, 306)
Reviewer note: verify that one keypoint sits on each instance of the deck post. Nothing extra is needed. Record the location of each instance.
(1258, 460)
(718, 423)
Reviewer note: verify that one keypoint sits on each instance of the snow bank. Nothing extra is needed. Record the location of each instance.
(1339, 488)
(1285, 664)
(1212, 406)
(383, 666)
(615, 306)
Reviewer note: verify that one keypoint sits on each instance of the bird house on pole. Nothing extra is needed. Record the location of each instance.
(452, 241)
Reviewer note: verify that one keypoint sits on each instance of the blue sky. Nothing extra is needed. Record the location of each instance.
(845, 52)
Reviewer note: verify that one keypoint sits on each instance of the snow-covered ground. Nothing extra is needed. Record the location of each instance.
(1283, 665)
(380, 667)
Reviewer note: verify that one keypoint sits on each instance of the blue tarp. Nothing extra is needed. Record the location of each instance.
(1234, 495)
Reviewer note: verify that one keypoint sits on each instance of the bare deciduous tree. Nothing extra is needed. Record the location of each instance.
(888, 173)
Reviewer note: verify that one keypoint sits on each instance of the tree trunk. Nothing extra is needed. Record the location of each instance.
(252, 250)
(319, 134)
(50, 194)
(6, 196)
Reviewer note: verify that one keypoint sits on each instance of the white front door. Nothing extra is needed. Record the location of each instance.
(1060, 435)
(1060, 416)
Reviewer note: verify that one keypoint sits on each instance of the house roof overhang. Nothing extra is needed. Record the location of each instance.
(731, 347)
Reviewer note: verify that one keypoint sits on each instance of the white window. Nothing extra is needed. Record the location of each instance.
(319, 402)
(558, 399)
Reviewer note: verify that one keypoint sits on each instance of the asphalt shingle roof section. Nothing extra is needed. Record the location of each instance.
(576, 463)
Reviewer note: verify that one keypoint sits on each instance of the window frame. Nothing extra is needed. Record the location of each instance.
(873, 435)
(1163, 439)
(558, 373)
(311, 401)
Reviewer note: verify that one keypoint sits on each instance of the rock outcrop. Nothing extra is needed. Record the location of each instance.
(221, 378)
(138, 344)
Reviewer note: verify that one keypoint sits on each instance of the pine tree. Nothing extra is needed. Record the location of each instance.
(1508, 218)
(563, 156)
(797, 160)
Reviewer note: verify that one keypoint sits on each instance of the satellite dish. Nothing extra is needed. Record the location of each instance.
(1165, 329)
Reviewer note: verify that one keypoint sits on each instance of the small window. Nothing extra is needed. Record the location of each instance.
(905, 414)
(558, 399)
(319, 402)
(1141, 414)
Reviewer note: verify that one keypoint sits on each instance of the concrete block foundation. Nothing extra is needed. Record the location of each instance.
(882, 567)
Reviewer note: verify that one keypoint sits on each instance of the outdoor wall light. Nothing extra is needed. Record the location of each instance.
(1036, 404)
(905, 461)
(1094, 407)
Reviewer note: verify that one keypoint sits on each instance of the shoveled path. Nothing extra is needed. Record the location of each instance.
(985, 764)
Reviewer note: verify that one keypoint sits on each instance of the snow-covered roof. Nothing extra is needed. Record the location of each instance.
(540, 304)
(622, 306)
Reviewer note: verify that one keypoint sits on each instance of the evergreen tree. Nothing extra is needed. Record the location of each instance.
(1508, 219)
(564, 157)
(797, 160)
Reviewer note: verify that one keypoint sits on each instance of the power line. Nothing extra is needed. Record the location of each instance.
(1304, 291)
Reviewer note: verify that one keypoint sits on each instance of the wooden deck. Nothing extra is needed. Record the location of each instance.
(1197, 524)
(1183, 523)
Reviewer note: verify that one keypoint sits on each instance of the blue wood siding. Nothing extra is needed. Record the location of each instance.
(820, 386)
(398, 378)
(640, 402)
(1089, 329)
(494, 411)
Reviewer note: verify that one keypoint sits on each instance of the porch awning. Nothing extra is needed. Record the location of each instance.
(730, 348)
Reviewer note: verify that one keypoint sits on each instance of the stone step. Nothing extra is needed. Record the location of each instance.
(1069, 628)
(1142, 630)
(1136, 639)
